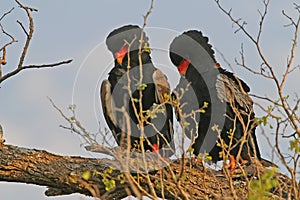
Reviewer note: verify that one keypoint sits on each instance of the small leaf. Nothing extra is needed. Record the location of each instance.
(294, 145)
(205, 104)
(121, 178)
(175, 102)
(215, 127)
(207, 158)
(202, 111)
(270, 107)
(109, 184)
(141, 86)
(271, 127)
(158, 185)
(264, 120)
(86, 175)
(220, 154)
(190, 150)
(166, 96)
(185, 124)
(147, 49)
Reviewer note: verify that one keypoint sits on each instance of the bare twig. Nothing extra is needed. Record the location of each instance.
(7, 44)
(6, 76)
(276, 103)
(29, 35)
(75, 125)
(6, 13)
(141, 118)
(3, 48)
(240, 25)
(28, 10)
(23, 28)
(242, 63)
(225, 59)
(286, 116)
(2, 29)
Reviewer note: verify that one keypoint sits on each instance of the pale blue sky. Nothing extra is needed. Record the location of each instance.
(67, 29)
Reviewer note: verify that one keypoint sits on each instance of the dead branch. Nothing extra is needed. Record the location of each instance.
(3, 48)
(28, 11)
(16, 71)
(29, 35)
(4, 32)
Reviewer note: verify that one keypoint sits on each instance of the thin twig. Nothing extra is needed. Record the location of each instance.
(6, 13)
(235, 21)
(6, 33)
(17, 70)
(23, 28)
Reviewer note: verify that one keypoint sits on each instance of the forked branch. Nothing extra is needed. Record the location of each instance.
(29, 34)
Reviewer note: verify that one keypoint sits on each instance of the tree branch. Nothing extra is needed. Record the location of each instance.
(61, 174)
(29, 35)
(66, 175)
(3, 48)
(28, 10)
(17, 70)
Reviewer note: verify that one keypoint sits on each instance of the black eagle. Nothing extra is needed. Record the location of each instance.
(135, 96)
(210, 96)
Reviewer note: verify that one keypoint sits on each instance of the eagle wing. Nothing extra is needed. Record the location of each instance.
(233, 92)
(162, 87)
(108, 105)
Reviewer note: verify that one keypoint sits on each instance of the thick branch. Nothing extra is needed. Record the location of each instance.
(61, 174)
(64, 175)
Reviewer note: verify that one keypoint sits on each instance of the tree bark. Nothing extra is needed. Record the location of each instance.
(61, 174)
(64, 175)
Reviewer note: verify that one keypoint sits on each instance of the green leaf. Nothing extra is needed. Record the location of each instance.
(205, 104)
(260, 188)
(86, 175)
(109, 184)
(121, 178)
(207, 158)
(264, 120)
(294, 145)
(202, 111)
(141, 86)
(185, 124)
(158, 185)
(190, 150)
(147, 48)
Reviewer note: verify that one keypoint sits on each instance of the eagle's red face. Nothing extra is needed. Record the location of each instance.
(121, 54)
(155, 148)
(183, 66)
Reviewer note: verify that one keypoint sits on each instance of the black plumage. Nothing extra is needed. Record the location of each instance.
(227, 101)
(135, 96)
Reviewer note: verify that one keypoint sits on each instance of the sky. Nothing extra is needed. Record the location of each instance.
(77, 30)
